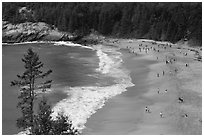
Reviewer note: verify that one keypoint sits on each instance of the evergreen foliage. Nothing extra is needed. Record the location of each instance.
(29, 86)
(63, 126)
(43, 119)
(45, 125)
(170, 21)
(41, 123)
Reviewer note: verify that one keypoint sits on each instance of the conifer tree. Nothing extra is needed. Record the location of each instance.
(29, 86)
(43, 119)
(63, 126)
(44, 124)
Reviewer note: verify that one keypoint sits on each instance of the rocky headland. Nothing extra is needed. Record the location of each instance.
(29, 31)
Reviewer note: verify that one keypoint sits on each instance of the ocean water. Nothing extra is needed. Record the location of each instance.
(83, 79)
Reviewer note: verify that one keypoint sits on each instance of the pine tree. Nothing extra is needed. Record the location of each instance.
(126, 21)
(29, 88)
(63, 126)
(43, 120)
(45, 125)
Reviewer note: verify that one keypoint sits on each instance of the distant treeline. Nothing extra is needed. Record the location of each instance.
(158, 21)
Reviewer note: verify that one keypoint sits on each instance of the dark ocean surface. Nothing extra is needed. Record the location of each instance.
(72, 66)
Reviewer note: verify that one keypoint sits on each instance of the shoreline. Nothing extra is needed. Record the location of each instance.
(119, 112)
(53, 57)
(87, 100)
(166, 104)
(177, 118)
(107, 64)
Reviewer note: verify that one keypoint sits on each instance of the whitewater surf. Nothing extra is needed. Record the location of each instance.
(84, 101)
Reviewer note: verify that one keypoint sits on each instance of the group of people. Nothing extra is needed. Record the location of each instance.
(147, 110)
(171, 60)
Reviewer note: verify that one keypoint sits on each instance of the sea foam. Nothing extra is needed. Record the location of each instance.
(82, 102)
(28, 42)
(56, 43)
(68, 43)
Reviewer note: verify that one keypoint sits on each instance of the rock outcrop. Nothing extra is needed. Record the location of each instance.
(29, 31)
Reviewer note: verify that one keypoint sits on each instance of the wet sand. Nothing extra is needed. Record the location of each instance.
(122, 113)
(125, 113)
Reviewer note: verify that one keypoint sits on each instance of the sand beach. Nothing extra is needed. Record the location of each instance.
(156, 90)
(168, 81)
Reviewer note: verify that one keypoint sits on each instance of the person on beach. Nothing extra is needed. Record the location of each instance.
(163, 72)
(147, 109)
(181, 100)
(157, 74)
(158, 91)
(185, 115)
(176, 70)
(161, 114)
(165, 91)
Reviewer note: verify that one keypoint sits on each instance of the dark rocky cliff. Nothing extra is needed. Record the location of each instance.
(32, 32)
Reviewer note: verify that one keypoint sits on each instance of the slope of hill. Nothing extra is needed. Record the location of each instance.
(169, 21)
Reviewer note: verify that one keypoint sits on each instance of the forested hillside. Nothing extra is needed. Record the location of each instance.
(158, 21)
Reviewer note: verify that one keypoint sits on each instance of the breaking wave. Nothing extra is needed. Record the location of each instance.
(28, 42)
(84, 101)
(58, 43)
(68, 43)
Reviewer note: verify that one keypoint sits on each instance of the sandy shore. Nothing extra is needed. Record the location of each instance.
(125, 113)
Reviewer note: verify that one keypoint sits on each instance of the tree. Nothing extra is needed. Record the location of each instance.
(43, 120)
(29, 88)
(126, 23)
(173, 20)
(63, 126)
(45, 125)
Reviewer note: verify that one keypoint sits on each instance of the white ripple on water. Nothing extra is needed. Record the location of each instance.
(85, 101)
(68, 43)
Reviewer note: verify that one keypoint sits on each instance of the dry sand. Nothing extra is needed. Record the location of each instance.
(125, 113)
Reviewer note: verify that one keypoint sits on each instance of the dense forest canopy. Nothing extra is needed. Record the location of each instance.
(158, 21)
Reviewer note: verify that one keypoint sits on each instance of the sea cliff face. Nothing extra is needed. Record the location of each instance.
(29, 31)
